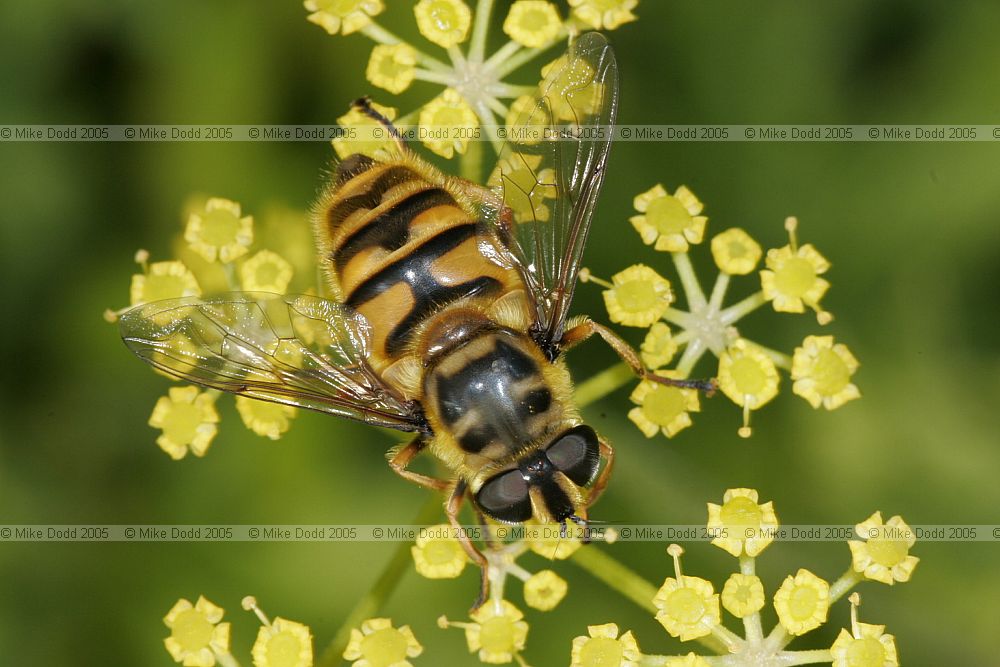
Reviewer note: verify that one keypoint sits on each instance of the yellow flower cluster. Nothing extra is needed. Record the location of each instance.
(475, 91)
(748, 373)
(217, 256)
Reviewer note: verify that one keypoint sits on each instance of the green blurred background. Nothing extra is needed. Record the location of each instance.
(911, 228)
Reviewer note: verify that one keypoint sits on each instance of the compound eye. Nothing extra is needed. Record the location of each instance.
(505, 497)
(577, 454)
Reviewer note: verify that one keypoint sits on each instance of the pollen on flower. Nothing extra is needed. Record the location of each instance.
(498, 632)
(342, 16)
(526, 187)
(885, 554)
(638, 296)
(738, 516)
(438, 556)
(743, 594)
(748, 377)
(219, 232)
(379, 644)
(604, 14)
(188, 420)
(270, 420)
(802, 602)
(266, 271)
(544, 590)
(444, 116)
(196, 634)
(735, 252)
(669, 222)
(821, 372)
(604, 648)
(163, 280)
(392, 67)
(688, 606)
(367, 142)
(444, 22)
(532, 23)
(663, 408)
(659, 347)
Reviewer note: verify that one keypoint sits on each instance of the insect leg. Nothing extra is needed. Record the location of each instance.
(401, 460)
(587, 328)
(451, 510)
(364, 105)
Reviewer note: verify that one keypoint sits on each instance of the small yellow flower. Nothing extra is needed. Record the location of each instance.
(378, 644)
(497, 633)
(739, 515)
(689, 660)
(449, 121)
(437, 555)
(748, 377)
(604, 648)
(575, 94)
(663, 408)
(343, 16)
(870, 647)
(802, 602)
(671, 222)
(270, 420)
(283, 643)
(444, 22)
(544, 590)
(266, 272)
(163, 280)
(547, 542)
(219, 232)
(822, 370)
(604, 14)
(188, 420)
(735, 252)
(743, 595)
(885, 555)
(688, 609)
(533, 23)
(659, 347)
(639, 296)
(196, 635)
(791, 280)
(525, 187)
(367, 141)
(392, 67)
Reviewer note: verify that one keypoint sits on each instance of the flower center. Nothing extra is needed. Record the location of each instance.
(668, 215)
(181, 426)
(602, 652)
(866, 652)
(748, 376)
(339, 7)
(220, 228)
(795, 277)
(663, 404)
(497, 635)
(384, 647)
(163, 287)
(686, 606)
(638, 296)
(802, 603)
(887, 552)
(192, 630)
(741, 512)
(283, 650)
(830, 373)
(441, 552)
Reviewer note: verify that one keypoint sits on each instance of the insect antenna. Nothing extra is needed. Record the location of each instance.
(364, 105)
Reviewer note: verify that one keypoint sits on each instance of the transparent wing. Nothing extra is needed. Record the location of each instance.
(549, 174)
(298, 350)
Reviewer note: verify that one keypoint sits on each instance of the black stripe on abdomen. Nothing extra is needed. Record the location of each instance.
(415, 270)
(391, 229)
(371, 197)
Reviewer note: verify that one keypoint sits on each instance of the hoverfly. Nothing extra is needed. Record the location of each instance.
(449, 316)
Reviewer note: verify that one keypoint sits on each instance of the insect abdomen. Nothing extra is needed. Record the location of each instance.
(401, 249)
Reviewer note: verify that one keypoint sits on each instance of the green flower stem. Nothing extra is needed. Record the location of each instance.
(694, 351)
(598, 386)
(374, 599)
(457, 58)
(789, 658)
(231, 281)
(502, 54)
(751, 624)
(718, 292)
(379, 34)
(689, 281)
(743, 308)
(780, 359)
(477, 45)
(509, 90)
(471, 162)
(603, 567)
(680, 318)
(432, 76)
(508, 65)
(226, 659)
(498, 107)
